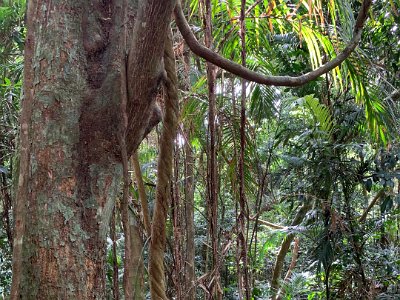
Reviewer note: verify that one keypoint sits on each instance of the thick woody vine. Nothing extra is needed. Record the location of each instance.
(139, 102)
(164, 174)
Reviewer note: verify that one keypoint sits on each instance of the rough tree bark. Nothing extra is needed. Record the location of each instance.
(70, 162)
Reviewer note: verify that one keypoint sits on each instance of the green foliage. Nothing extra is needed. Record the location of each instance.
(330, 146)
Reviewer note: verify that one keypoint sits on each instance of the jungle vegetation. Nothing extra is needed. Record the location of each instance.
(240, 188)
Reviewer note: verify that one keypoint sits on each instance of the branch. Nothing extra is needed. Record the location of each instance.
(250, 75)
(280, 258)
(371, 204)
(395, 95)
(295, 255)
(266, 223)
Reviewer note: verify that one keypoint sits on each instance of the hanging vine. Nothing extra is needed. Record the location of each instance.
(164, 175)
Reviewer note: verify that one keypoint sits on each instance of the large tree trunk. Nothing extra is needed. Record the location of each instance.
(70, 155)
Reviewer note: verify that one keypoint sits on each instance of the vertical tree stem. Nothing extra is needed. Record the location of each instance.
(214, 285)
(25, 120)
(114, 256)
(244, 280)
(190, 287)
(189, 220)
(177, 230)
(142, 192)
(280, 258)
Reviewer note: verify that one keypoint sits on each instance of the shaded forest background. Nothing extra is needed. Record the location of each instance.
(291, 193)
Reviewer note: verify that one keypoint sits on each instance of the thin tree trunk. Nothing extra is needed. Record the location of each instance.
(357, 247)
(142, 193)
(295, 254)
(6, 209)
(137, 235)
(138, 290)
(214, 285)
(243, 261)
(379, 195)
(128, 259)
(115, 288)
(189, 268)
(190, 286)
(285, 248)
(129, 276)
(177, 232)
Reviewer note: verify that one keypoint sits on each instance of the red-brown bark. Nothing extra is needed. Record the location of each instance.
(212, 167)
(70, 154)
